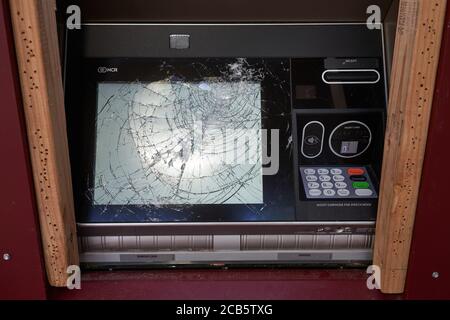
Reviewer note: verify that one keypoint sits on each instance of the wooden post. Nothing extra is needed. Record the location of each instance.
(35, 33)
(415, 63)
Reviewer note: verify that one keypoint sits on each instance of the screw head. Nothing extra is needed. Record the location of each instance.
(435, 275)
(6, 256)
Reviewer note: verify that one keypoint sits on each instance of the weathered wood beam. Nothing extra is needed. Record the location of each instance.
(35, 33)
(415, 63)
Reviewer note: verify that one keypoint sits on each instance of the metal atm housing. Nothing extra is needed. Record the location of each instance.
(321, 85)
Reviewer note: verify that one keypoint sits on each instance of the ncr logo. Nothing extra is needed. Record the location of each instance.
(107, 70)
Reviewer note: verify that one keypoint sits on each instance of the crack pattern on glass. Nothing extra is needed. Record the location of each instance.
(180, 143)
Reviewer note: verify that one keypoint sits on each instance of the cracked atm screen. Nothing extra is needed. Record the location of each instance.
(176, 143)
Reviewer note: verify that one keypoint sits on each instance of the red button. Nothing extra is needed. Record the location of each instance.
(355, 172)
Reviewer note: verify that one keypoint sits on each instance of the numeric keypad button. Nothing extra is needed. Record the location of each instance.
(315, 192)
(338, 178)
(343, 192)
(313, 185)
(340, 185)
(336, 171)
(311, 178)
(327, 185)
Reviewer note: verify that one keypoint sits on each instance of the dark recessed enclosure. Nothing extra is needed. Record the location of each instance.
(233, 136)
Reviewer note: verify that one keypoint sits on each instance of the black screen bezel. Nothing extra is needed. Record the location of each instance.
(279, 194)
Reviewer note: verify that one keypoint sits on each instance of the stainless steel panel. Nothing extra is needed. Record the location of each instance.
(146, 243)
(226, 257)
(306, 241)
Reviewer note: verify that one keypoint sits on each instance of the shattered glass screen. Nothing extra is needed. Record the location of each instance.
(177, 142)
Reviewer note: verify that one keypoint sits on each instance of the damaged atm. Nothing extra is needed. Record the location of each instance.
(228, 144)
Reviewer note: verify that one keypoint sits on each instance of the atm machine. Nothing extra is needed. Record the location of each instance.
(225, 144)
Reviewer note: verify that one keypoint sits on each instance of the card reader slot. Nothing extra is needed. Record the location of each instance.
(351, 76)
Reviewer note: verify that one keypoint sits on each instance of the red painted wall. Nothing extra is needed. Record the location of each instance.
(22, 277)
(431, 243)
(243, 284)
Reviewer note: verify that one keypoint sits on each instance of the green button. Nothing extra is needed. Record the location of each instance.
(361, 185)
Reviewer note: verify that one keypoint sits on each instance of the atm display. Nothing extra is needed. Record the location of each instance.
(177, 143)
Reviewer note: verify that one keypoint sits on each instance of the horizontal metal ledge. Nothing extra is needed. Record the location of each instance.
(235, 257)
(221, 243)
(235, 228)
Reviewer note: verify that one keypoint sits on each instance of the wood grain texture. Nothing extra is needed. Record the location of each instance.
(415, 62)
(35, 34)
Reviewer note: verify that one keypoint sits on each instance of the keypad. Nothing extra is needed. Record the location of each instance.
(337, 183)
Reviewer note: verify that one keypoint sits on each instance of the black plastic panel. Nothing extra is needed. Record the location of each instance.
(259, 41)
